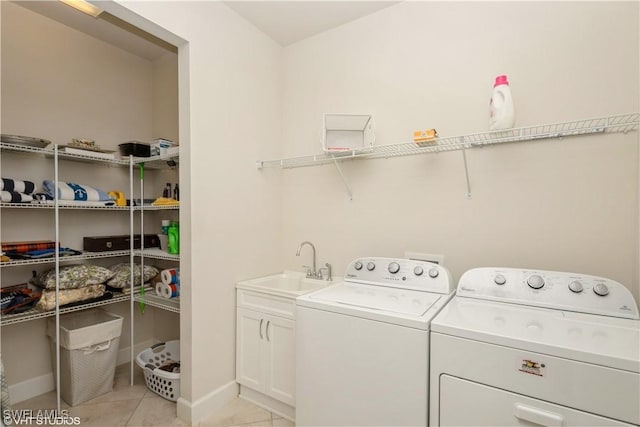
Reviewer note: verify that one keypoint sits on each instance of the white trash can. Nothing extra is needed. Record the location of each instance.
(89, 342)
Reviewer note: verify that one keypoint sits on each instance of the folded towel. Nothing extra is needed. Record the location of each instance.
(164, 201)
(15, 197)
(26, 187)
(77, 192)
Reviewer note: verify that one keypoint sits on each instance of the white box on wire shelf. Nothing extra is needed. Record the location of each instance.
(347, 132)
(89, 342)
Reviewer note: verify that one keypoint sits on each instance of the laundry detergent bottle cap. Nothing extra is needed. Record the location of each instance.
(501, 111)
(501, 80)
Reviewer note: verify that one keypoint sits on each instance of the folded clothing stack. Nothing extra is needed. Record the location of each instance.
(16, 191)
(80, 283)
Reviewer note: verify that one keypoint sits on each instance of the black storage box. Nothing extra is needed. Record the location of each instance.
(119, 243)
(135, 148)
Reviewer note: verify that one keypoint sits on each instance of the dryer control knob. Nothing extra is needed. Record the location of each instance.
(394, 267)
(433, 273)
(418, 271)
(500, 279)
(601, 289)
(371, 266)
(575, 286)
(535, 281)
(358, 265)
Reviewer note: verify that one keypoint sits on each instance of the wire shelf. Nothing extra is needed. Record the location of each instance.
(165, 161)
(61, 205)
(150, 298)
(68, 258)
(155, 253)
(10, 319)
(612, 124)
(157, 208)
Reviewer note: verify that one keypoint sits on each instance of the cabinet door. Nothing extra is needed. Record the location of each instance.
(280, 338)
(250, 369)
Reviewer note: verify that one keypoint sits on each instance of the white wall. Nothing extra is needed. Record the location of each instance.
(568, 205)
(230, 94)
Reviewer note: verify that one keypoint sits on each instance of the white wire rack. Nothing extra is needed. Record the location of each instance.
(155, 253)
(166, 161)
(61, 205)
(150, 298)
(619, 123)
(69, 258)
(157, 208)
(10, 319)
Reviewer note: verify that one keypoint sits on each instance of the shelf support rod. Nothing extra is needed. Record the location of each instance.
(344, 180)
(466, 168)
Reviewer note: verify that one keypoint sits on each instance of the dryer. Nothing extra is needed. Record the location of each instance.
(532, 347)
(362, 346)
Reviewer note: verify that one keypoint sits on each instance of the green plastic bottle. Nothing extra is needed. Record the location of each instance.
(174, 238)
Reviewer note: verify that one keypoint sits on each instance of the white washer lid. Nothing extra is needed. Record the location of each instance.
(370, 297)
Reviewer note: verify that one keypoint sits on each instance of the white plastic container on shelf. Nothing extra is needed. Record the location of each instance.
(89, 342)
(501, 111)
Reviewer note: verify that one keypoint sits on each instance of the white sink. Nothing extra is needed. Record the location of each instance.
(289, 283)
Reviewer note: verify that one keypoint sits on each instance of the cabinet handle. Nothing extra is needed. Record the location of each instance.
(267, 329)
(260, 327)
(537, 416)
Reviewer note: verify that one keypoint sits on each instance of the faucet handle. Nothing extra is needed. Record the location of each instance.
(310, 272)
(328, 269)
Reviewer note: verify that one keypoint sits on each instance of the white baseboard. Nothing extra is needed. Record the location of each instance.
(193, 412)
(32, 387)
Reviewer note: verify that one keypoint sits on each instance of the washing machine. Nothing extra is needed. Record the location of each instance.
(362, 345)
(519, 347)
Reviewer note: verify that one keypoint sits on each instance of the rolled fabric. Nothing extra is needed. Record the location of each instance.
(15, 197)
(26, 187)
(78, 192)
(169, 276)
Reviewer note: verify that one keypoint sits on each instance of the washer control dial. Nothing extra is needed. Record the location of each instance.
(358, 265)
(433, 273)
(576, 286)
(394, 267)
(418, 271)
(535, 281)
(371, 266)
(601, 289)
(500, 279)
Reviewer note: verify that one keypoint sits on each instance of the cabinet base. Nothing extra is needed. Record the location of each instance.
(268, 403)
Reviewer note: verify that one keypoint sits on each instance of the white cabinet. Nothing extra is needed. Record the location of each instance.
(265, 347)
(266, 354)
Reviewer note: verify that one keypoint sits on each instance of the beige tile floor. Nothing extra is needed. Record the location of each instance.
(137, 406)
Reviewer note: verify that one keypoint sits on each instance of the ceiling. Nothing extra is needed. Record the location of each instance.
(106, 27)
(286, 22)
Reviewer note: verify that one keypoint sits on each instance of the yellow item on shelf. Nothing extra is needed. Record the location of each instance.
(164, 201)
(425, 137)
(118, 196)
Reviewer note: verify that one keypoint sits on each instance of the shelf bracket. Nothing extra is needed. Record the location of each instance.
(344, 180)
(466, 169)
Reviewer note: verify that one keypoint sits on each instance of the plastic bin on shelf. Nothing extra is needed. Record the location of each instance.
(160, 381)
(89, 342)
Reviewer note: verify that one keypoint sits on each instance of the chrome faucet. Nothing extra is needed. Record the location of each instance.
(310, 273)
(326, 267)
